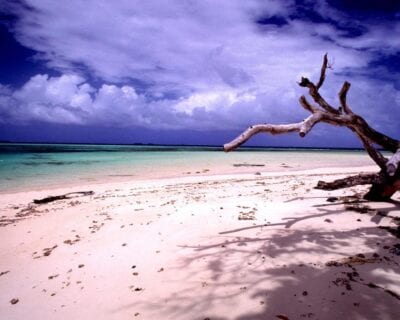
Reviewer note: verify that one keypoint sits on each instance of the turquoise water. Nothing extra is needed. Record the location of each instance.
(40, 166)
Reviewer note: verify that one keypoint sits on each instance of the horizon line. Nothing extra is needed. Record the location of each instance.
(179, 145)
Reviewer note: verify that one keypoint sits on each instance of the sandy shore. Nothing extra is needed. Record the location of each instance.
(265, 246)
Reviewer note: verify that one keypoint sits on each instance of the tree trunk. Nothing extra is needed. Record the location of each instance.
(382, 192)
(383, 184)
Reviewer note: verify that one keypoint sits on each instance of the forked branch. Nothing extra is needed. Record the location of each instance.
(345, 117)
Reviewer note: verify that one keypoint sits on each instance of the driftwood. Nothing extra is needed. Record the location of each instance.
(384, 183)
(63, 197)
(248, 165)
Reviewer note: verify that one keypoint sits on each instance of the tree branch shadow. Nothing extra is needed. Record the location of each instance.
(376, 214)
(286, 271)
(356, 288)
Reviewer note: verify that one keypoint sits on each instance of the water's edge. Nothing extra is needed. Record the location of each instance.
(39, 166)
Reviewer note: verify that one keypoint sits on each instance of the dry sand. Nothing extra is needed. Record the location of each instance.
(249, 246)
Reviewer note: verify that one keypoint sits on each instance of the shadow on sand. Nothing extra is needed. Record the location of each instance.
(270, 269)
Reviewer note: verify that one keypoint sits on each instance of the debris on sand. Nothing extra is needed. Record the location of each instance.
(63, 197)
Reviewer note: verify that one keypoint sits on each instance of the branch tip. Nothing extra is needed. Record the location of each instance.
(304, 82)
(343, 97)
(323, 71)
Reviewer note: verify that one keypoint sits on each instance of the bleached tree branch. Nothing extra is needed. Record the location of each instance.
(302, 128)
(384, 183)
(392, 166)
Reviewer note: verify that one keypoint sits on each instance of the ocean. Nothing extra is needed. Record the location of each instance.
(44, 166)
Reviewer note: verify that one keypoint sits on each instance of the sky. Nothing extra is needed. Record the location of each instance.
(192, 71)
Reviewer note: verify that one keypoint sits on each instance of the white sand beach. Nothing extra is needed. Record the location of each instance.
(245, 246)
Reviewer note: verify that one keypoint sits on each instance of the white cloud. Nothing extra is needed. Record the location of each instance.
(210, 101)
(65, 90)
(49, 99)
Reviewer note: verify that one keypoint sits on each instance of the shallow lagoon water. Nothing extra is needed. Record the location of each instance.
(39, 166)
